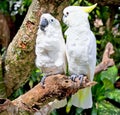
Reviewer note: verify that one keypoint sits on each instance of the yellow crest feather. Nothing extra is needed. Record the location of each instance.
(88, 9)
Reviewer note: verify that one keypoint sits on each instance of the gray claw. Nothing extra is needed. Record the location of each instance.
(43, 80)
(73, 77)
(80, 78)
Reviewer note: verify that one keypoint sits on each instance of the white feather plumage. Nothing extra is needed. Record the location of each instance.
(80, 51)
(50, 47)
(50, 51)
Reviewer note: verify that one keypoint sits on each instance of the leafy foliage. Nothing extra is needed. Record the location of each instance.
(4, 6)
(107, 108)
(114, 95)
(14, 7)
(105, 87)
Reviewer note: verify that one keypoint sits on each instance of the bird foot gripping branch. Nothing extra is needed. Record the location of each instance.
(74, 76)
(56, 87)
(62, 86)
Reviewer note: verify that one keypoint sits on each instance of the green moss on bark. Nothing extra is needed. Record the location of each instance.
(20, 56)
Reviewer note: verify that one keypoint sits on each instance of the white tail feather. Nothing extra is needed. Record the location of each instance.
(83, 98)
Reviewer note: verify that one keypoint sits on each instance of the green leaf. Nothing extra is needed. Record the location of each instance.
(18, 92)
(31, 83)
(54, 112)
(71, 1)
(110, 74)
(94, 111)
(26, 2)
(98, 13)
(69, 105)
(115, 95)
(105, 83)
(79, 1)
(98, 92)
(108, 85)
(37, 70)
(78, 111)
(38, 79)
(106, 108)
(98, 41)
(33, 78)
(76, 3)
(100, 98)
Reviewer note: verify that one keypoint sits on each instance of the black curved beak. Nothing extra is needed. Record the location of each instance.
(43, 24)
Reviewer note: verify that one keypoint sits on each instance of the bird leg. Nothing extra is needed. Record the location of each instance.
(43, 80)
(81, 78)
(74, 76)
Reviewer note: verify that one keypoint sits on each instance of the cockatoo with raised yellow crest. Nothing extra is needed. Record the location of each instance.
(80, 50)
(50, 50)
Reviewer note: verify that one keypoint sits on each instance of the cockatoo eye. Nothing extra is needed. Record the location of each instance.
(67, 13)
(51, 20)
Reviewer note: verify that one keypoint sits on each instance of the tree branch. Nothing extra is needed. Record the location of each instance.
(106, 60)
(56, 87)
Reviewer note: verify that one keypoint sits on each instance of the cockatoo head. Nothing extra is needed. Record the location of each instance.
(76, 15)
(47, 21)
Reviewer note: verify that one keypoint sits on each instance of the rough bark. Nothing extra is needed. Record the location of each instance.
(20, 53)
(56, 87)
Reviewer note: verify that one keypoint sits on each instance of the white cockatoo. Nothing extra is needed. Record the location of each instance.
(80, 50)
(50, 50)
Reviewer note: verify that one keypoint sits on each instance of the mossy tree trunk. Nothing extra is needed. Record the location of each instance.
(19, 60)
